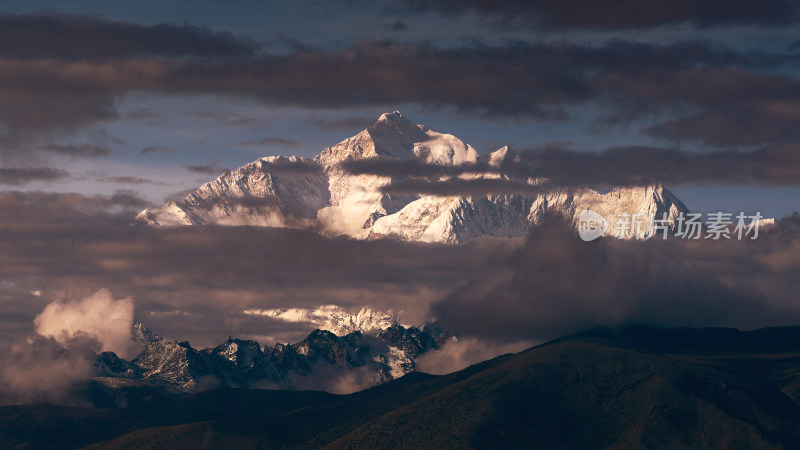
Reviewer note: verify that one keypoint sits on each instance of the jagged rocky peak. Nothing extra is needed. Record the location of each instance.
(503, 155)
(141, 334)
(324, 344)
(411, 340)
(239, 351)
(178, 367)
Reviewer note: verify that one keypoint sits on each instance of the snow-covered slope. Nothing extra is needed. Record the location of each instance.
(334, 318)
(272, 191)
(356, 201)
(298, 192)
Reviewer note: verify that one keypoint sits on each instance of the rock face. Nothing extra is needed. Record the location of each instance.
(318, 193)
(315, 362)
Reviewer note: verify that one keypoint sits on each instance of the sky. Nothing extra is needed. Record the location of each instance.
(159, 98)
(107, 108)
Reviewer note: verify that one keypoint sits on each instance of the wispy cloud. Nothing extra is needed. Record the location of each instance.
(689, 90)
(85, 150)
(155, 149)
(127, 179)
(210, 169)
(271, 142)
(18, 176)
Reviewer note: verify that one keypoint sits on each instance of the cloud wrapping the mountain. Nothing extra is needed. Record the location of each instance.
(561, 166)
(556, 284)
(41, 370)
(195, 283)
(98, 316)
(458, 187)
(455, 355)
(71, 245)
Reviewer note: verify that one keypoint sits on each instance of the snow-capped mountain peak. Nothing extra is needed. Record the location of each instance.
(392, 135)
(503, 155)
(297, 192)
(320, 361)
(339, 320)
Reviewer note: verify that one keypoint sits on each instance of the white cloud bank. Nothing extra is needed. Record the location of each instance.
(99, 317)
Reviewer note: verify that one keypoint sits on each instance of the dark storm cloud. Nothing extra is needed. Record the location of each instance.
(69, 246)
(271, 141)
(195, 282)
(557, 284)
(374, 73)
(344, 123)
(126, 179)
(226, 118)
(625, 14)
(40, 370)
(517, 79)
(635, 166)
(18, 176)
(694, 90)
(33, 203)
(396, 167)
(397, 25)
(81, 92)
(535, 80)
(559, 166)
(729, 107)
(458, 187)
(143, 114)
(743, 123)
(155, 149)
(210, 169)
(122, 198)
(86, 150)
(70, 37)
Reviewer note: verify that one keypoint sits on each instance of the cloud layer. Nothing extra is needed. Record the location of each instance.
(98, 316)
(692, 90)
(626, 14)
(196, 282)
(556, 284)
(558, 166)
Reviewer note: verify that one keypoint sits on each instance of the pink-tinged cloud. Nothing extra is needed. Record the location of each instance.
(98, 316)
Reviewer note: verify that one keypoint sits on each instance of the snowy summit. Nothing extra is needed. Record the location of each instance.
(298, 192)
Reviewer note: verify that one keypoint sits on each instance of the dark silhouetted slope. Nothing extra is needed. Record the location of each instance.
(633, 387)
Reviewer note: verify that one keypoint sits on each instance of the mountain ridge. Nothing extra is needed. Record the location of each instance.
(319, 361)
(318, 193)
(597, 389)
